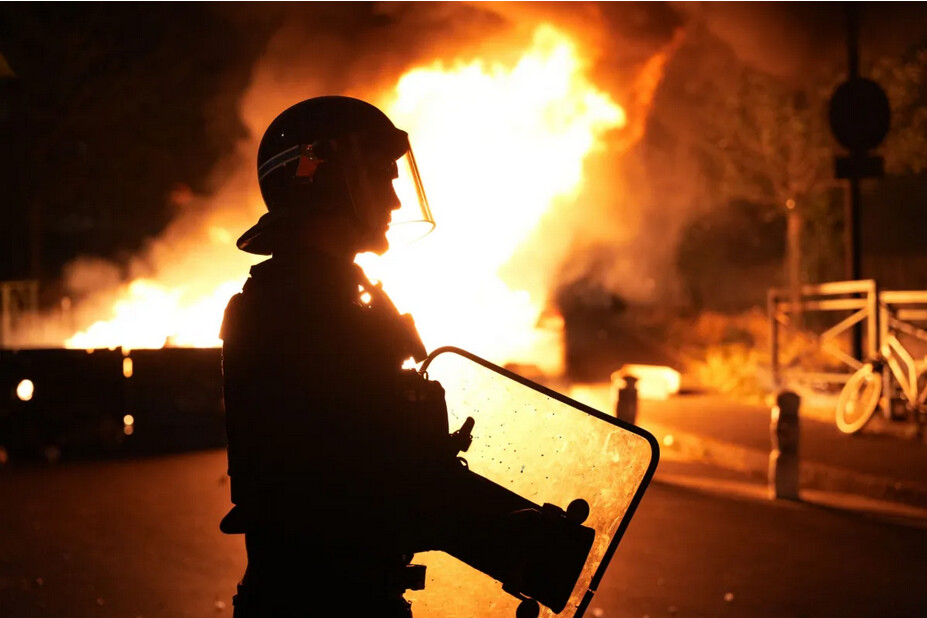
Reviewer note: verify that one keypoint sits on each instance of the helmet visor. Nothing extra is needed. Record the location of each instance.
(379, 175)
(413, 220)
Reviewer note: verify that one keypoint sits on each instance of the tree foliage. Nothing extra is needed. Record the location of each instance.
(769, 143)
(905, 83)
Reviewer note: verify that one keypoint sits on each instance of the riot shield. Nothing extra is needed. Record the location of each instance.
(532, 445)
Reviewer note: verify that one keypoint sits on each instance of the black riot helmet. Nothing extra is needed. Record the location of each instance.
(330, 153)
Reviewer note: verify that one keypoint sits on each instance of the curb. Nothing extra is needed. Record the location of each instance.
(882, 510)
(812, 475)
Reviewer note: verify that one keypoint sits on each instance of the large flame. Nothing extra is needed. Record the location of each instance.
(151, 315)
(499, 146)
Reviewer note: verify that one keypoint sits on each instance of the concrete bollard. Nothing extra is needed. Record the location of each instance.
(784, 459)
(626, 408)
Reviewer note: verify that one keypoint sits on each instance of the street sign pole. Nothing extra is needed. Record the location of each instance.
(853, 198)
(859, 118)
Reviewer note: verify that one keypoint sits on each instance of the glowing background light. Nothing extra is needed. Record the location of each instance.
(25, 390)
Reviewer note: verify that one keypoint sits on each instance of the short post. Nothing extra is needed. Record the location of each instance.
(626, 408)
(784, 459)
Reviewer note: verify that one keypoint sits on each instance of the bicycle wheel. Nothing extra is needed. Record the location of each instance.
(858, 399)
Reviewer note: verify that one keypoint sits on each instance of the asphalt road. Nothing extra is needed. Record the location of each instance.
(139, 538)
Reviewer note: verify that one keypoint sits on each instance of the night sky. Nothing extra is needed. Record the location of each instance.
(114, 110)
(114, 115)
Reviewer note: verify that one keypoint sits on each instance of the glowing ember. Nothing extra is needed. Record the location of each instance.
(498, 146)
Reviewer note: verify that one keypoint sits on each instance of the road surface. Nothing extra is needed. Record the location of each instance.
(139, 538)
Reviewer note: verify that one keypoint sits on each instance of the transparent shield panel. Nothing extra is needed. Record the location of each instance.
(547, 449)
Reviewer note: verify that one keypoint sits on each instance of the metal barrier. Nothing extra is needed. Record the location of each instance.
(881, 312)
(900, 311)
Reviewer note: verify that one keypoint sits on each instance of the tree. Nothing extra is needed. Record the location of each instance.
(769, 144)
(905, 83)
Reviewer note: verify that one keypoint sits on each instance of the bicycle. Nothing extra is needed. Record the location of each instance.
(863, 392)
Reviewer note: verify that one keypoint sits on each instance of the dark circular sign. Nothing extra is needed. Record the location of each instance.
(859, 114)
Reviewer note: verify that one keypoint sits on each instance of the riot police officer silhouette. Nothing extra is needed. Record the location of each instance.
(321, 473)
(341, 462)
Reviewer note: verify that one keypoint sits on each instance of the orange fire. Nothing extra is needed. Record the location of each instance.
(500, 147)
(151, 315)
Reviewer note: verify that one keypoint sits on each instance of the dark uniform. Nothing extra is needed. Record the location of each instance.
(328, 456)
(326, 468)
